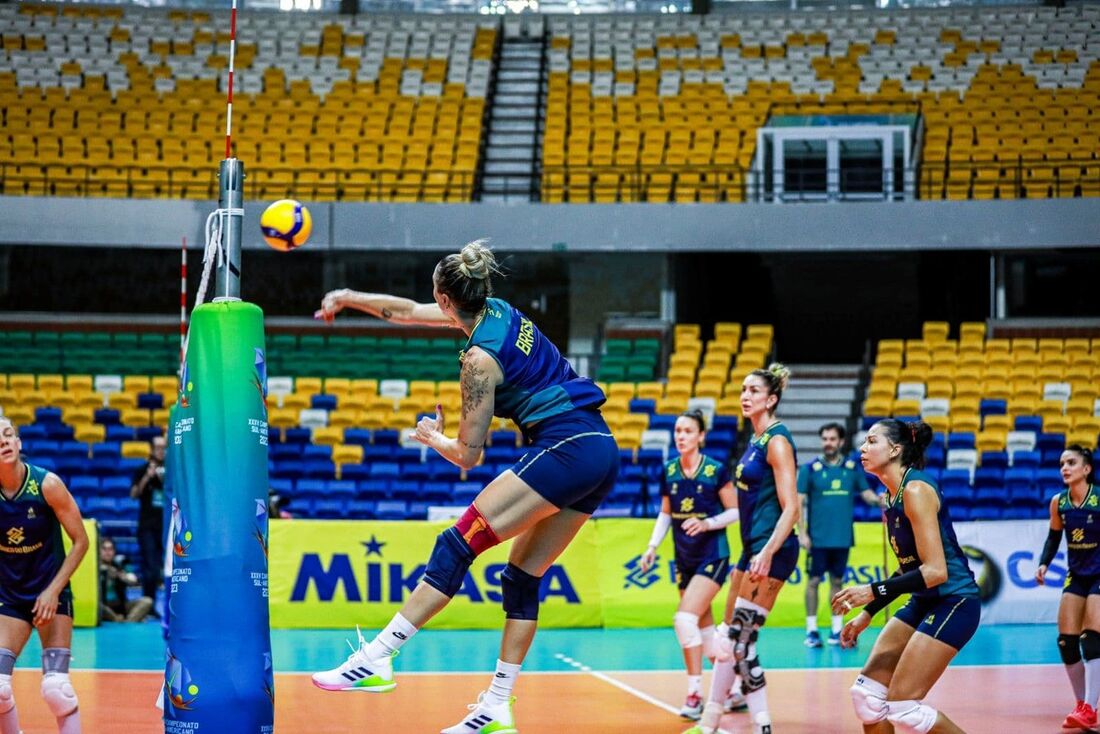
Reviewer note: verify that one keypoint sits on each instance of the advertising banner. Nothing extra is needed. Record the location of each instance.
(1003, 556)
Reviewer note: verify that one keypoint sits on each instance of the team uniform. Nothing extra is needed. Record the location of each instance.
(31, 548)
(1082, 528)
(830, 491)
(758, 503)
(572, 459)
(706, 554)
(951, 611)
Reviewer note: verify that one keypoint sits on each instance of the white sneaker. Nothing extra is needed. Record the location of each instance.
(485, 718)
(359, 672)
(762, 723)
(735, 701)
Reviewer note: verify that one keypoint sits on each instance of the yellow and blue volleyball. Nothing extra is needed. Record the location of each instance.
(286, 224)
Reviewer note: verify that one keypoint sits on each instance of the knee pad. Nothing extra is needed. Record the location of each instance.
(7, 661)
(911, 717)
(686, 626)
(57, 690)
(56, 659)
(7, 695)
(520, 592)
(1090, 644)
(450, 560)
(869, 700)
(710, 642)
(1069, 647)
(475, 531)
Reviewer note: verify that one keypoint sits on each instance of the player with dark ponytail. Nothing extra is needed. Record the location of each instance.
(1077, 511)
(943, 611)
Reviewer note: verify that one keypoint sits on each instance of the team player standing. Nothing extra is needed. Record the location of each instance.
(697, 503)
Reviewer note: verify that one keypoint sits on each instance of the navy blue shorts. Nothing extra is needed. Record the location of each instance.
(572, 460)
(833, 561)
(715, 569)
(22, 609)
(950, 619)
(784, 562)
(1081, 585)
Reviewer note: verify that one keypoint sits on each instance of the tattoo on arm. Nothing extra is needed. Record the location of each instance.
(474, 446)
(386, 313)
(475, 386)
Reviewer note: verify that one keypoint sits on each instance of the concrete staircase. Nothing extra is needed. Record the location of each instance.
(817, 394)
(508, 169)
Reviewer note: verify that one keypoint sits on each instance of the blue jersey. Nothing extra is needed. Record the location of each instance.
(538, 381)
(757, 499)
(31, 549)
(1082, 526)
(960, 580)
(695, 496)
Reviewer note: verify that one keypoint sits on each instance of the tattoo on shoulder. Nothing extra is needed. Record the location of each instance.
(475, 386)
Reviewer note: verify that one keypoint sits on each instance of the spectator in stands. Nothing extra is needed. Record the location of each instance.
(114, 579)
(508, 368)
(148, 489)
(944, 609)
(767, 499)
(34, 579)
(276, 505)
(827, 487)
(698, 502)
(1077, 511)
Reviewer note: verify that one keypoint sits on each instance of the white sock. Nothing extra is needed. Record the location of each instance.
(757, 701)
(721, 681)
(695, 684)
(397, 633)
(811, 624)
(1076, 673)
(838, 623)
(500, 691)
(1092, 681)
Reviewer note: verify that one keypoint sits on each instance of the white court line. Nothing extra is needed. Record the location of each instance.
(617, 683)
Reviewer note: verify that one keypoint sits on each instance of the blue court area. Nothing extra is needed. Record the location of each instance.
(139, 647)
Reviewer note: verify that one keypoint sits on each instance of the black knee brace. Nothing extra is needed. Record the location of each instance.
(450, 560)
(752, 675)
(743, 631)
(1069, 647)
(1090, 644)
(521, 593)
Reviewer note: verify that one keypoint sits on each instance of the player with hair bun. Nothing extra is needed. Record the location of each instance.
(1076, 510)
(698, 502)
(509, 369)
(944, 609)
(767, 500)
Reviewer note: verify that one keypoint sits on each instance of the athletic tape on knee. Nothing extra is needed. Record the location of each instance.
(57, 690)
(56, 659)
(7, 661)
(686, 626)
(520, 592)
(7, 695)
(450, 560)
(475, 530)
(1090, 645)
(1069, 647)
(869, 700)
(911, 717)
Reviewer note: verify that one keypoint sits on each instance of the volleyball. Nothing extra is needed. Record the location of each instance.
(286, 225)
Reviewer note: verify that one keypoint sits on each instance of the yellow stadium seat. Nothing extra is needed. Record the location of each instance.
(1082, 438)
(282, 417)
(401, 419)
(337, 386)
(878, 406)
(940, 388)
(21, 382)
(939, 423)
(422, 389)
(308, 386)
(996, 389)
(122, 401)
(347, 454)
(164, 384)
(90, 433)
(19, 415)
(364, 386)
(134, 417)
(906, 408)
(373, 419)
(345, 417)
(972, 330)
(991, 439)
(79, 383)
(965, 422)
(997, 422)
(135, 383)
(51, 382)
(934, 331)
(672, 405)
(1086, 423)
(328, 435)
(60, 398)
(621, 390)
(296, 400)
(135, 450)
(1054, 423)
(709, 388)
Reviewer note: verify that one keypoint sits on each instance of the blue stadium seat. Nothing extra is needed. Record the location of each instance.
(722, 456)
(361, 510)
(316, 452)
(1020, 481)
(106, 449)
(443, 471)
(128, 467)
(992, 406)
(1031, 423)
(643, 405)
(414, 455)
(720, 439)
(1016, 513)
(323, 402)
(289, 469)
(386, 437)
(118, 486)
(503, 438)
(354, 472)
(985, 477)
(866, 513)
(465, 492)
(357, 436)
(34, 433)
(385, 470)
(119, 433)
(60, 432)
(340, 488)
(436, 492)
(47, 415)
(329, 508)
(730, 423)
(319, 469)
(147, 433)
(626, 492)
(1027, 459)
(84, 484)
(1045, 442)
(613, 510)
(502, 454)
(650, 457)
(961, 440)
(632, 472)
(297, 435)
(417, 511)
(308, 489)
(955, 486)
(994, 460)
(482, 474)
(274, 434)
(150, 401)
(373, 489)
(374, 453)
(106, 416)
(985, 512)
(659, 422)
(934, 456)
(392, 510)
(284, 451)
(405, 489)
(282, 486)
(73, 449)
(627, 456)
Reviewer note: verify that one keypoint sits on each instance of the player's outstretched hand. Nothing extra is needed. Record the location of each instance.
(429, 430)
(851, 631)
(331, 305)
(648, 559)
